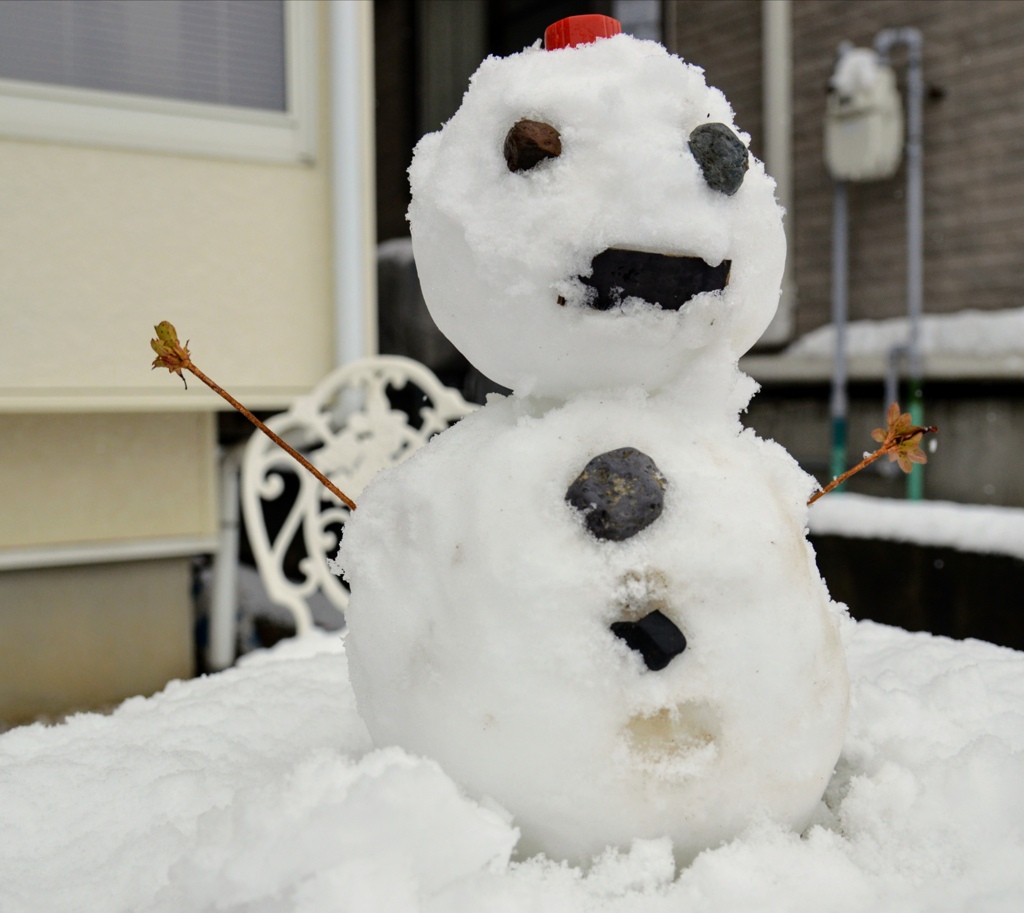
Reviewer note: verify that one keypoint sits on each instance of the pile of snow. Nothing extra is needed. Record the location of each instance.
(983, 528)
(982, 334)
(257, 789)
(856, 72)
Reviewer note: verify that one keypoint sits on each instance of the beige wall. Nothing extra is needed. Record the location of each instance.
(99, 244)
(99, 477)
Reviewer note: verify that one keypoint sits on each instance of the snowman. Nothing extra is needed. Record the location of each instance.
(592, 601)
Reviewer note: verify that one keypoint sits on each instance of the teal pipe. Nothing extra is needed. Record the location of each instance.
(915, 480)
(839, 405)
(838, 462)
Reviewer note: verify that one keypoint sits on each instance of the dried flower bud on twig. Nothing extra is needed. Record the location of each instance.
(900, 440)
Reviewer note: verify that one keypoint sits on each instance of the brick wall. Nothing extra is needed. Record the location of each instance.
(973, 145)
(724, 38)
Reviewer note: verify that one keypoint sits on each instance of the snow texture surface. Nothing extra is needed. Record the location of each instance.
(256, 789)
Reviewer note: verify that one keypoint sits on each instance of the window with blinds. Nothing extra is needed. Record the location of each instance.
(223, 77)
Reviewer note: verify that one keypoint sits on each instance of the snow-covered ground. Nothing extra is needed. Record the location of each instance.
(257, 789)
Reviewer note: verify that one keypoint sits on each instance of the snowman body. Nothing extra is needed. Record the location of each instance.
(486, 620)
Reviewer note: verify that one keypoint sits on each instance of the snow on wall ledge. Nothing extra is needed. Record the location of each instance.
(969, 344)
(982, 334)
(983, 528)
(257, 789)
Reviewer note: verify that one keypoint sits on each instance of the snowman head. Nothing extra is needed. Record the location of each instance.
(590, 217)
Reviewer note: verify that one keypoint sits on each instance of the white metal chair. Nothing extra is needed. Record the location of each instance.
(363, 417)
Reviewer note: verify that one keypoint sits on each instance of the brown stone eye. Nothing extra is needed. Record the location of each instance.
(530, 142)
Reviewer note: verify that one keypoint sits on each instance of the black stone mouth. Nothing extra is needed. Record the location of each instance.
(660, 280)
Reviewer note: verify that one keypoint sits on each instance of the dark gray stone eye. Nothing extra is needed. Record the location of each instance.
(723, 159)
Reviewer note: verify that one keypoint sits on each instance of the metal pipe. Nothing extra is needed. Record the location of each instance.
(352, 194)
(839, 404)
(223, 625)
(884, 42)
(777, 78)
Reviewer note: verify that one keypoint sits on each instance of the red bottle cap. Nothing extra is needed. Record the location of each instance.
(567, 33)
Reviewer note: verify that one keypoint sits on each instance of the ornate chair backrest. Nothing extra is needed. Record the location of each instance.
(363, 417)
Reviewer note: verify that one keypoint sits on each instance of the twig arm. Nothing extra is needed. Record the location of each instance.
(838, 480)
(175, 357)
(284, 445)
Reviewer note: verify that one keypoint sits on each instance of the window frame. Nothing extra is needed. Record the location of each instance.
(64, 114)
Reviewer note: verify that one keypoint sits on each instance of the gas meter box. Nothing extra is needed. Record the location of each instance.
(863, 119)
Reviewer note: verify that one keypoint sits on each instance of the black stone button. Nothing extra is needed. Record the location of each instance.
(655, 637)
(619, 493)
